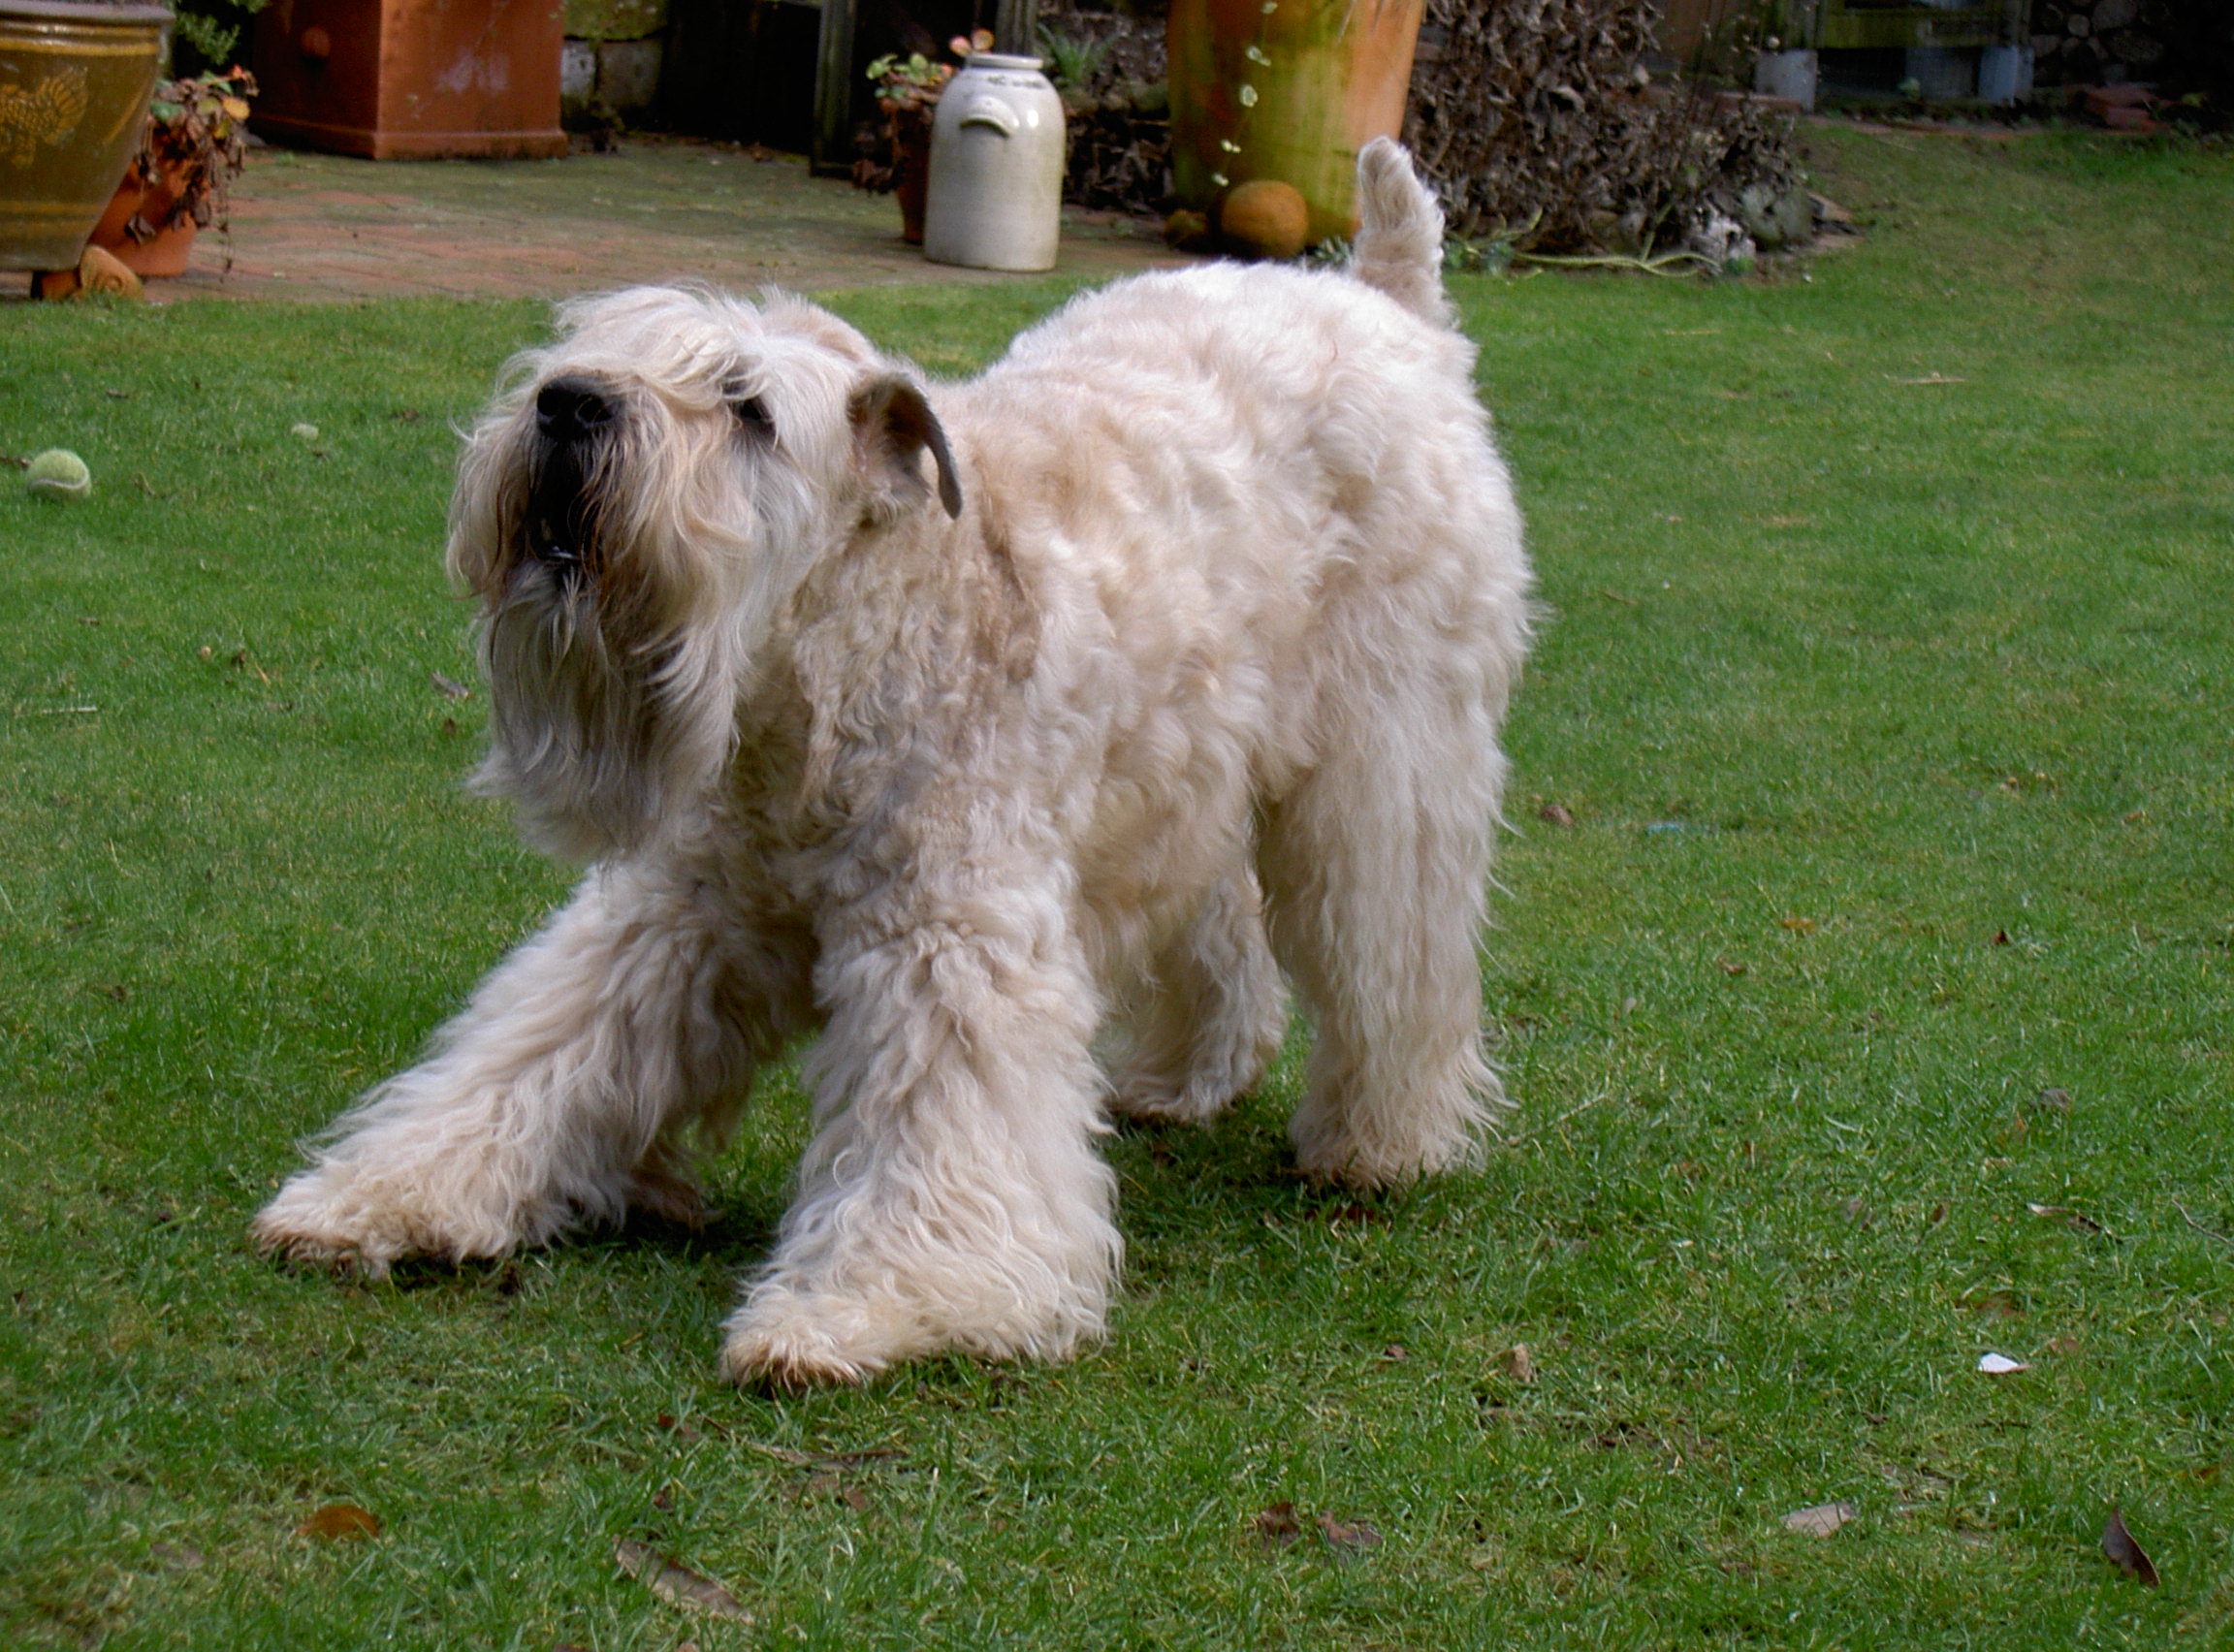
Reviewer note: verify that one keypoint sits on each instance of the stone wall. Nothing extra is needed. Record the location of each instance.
(612, 61)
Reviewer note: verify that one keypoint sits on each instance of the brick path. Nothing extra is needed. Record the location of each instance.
(309, 226)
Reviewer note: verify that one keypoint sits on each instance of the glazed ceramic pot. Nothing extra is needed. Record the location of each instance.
(74, 79)
(997, 156)
(1288, 90)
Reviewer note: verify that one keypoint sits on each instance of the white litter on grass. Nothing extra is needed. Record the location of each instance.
(1823, 1520)
(2000, 1364)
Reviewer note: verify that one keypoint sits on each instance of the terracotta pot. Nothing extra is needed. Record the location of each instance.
(411, 78)
(75, 81)
(1289, 91)
(911, 150)
(165, 255)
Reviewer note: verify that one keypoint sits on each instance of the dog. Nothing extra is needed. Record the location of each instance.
(1021, 739)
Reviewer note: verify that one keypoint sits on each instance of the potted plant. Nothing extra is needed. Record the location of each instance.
(908, 92)
(74, 77)
(180, 180)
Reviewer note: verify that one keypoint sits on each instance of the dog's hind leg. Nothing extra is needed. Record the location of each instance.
(1375, 871)
(1203, 1025)
(951, 1198)
(564, 1090)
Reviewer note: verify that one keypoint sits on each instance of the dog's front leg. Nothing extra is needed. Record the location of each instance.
(561, 1094)
(951, 1198)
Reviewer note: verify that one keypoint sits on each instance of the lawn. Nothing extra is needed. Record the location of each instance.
(1873, 1011)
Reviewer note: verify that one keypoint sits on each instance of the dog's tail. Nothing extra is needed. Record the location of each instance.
(1400, 232)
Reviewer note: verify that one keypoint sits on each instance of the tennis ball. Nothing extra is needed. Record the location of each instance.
(58, 474)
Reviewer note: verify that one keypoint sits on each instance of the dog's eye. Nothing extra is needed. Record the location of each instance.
(751, 415)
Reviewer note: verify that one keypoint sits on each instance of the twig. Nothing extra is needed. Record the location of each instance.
(1663, 265)
(1545, 1129)
(820, 1459)
(2207, 1232)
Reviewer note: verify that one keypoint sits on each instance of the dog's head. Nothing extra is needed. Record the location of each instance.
(634, 512)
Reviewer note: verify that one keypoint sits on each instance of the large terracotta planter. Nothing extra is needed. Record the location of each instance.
(1289, 91)
(411, 78)
(73, 85)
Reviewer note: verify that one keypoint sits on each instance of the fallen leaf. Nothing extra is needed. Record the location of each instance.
(451, 686)
(2067, 1343)
(677, 1585)
(1798, 925)
(1276, 1524)
(2076, 1221)
(2000, 1365)
(2054, 1099)
(1521, 1364)
(2001, 937)
(1394, 1353)
(1349, 1536)
(339, 1520)
(1732, 969)
(1557, 815)
(2126, 1555)
(1820, 1519)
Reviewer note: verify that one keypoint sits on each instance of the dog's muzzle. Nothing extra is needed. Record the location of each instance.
(572, 418)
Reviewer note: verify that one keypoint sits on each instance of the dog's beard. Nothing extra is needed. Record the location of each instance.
(592, 732)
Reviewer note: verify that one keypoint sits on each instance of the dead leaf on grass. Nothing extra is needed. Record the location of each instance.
(2000, 1365)
(2077, 1220)
(1797, 926)
(2000, 938)
(1276, 1524)
(677, 1585)
(1557, 815)
(1348, 1537)
(449, 686)
(337, 1521)
(1521, 1364)
(2126, 1555)
(1820, 1519)
(1732, 969)
(2054, 1099)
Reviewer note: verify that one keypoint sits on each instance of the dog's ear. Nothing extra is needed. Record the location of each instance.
(892, 424)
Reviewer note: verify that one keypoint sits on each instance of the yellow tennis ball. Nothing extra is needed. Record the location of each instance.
(58, 474)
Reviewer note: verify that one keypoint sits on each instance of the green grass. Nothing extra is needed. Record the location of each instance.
(1913, 667)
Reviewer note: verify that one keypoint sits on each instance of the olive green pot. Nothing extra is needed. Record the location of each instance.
(74, 79)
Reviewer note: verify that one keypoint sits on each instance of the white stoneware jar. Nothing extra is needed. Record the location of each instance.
(997, 157)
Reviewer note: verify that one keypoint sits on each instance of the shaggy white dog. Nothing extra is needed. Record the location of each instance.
(952, 722)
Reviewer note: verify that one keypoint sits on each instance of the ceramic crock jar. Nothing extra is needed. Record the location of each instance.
(75, 81)
(996, 167)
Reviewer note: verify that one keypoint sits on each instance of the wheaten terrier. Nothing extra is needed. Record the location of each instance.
(950, 723)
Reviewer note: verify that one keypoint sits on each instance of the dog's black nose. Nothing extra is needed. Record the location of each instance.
(568, 409)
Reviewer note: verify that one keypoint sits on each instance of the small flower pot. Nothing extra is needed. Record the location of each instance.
(167, 253)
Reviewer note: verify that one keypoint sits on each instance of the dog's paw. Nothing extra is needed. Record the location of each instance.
(319, 1221)
(791, 1358)
(1153, 1098)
